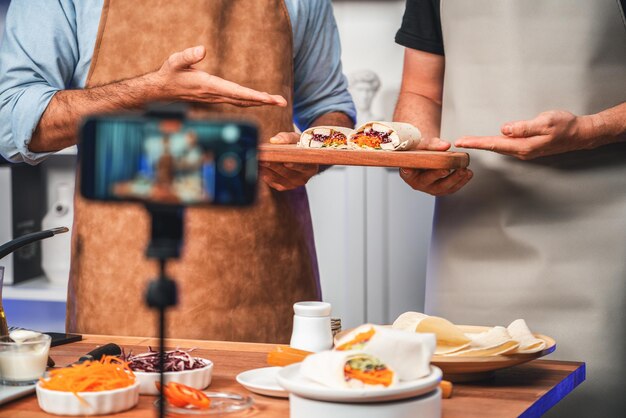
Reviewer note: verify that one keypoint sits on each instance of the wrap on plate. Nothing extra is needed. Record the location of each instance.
(493, 342)
(449, 337)
(520, 332)
(347, 369)
(407, 353)
(390, 136)
(325, 137)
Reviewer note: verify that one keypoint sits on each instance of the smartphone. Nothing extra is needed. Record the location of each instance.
(165, 161)
(59, 338)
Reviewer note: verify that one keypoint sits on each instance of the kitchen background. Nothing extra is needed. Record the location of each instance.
(372, 230)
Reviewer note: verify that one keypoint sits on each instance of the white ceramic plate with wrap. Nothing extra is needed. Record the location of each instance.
(291, 379)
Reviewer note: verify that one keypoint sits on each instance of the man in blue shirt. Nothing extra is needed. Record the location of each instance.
(57, 66)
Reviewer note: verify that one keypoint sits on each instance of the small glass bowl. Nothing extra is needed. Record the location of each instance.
(23, 363)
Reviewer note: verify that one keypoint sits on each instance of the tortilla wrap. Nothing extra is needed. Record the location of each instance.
(306, 138)
(449, 337)
(327, 368)
(494, 342)
(520, 332)
(402, 135)
(409, 354)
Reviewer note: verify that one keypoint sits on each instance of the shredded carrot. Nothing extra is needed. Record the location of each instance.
(360, 338)
(367, 140)
(91, 376)
(373, 377)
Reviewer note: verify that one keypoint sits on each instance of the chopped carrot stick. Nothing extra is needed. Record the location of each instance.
(374, 377)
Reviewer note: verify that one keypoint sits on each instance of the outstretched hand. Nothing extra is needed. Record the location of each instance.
(552, 132)
(179, 80)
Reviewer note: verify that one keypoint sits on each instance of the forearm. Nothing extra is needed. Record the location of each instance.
(334, 119)
(421, 111)
(57, 128)
(605, 127)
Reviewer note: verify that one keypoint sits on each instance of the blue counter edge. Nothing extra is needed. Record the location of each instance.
(557, 393)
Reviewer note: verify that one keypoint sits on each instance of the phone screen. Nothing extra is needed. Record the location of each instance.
(168, 161)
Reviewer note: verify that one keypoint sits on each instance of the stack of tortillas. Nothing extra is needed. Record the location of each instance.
(452, 341)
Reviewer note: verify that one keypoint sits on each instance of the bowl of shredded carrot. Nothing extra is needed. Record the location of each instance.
(99, 387)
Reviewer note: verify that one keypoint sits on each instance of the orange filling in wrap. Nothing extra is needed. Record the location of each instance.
(360, 338)
(379, 375)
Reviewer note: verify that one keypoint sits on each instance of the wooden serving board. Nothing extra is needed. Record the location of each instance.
(328, 156)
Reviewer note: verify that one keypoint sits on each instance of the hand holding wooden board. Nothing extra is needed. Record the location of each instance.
(374, 144)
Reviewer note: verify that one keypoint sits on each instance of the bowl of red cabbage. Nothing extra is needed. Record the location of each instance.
(180, 366)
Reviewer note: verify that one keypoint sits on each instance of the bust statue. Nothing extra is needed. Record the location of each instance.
(363, 86)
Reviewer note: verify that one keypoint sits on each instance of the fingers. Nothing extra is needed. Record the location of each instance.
(433, 144)
(275, 180)
(287, 176)
(524, 148)
(285, 138)
(526, 128)
(233, 92)
(187, 57)
(436, 182)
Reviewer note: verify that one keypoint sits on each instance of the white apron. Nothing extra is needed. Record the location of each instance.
(543, 240)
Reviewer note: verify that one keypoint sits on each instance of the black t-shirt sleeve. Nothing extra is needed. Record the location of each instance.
(421, 26)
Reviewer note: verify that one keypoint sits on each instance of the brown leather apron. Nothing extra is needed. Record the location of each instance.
(241, 269)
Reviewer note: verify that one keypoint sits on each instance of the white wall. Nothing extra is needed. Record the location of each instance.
(367, 30)
(372, 231)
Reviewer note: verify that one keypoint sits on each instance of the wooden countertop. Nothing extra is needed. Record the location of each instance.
(527, 390)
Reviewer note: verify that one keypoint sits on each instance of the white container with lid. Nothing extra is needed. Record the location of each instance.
(311, 326)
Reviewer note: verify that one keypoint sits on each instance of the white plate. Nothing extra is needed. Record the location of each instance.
(9, 393)
(291, 379)
(263, 381)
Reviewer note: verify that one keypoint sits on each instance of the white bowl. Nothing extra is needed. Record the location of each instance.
(197, 378)
(95, 403)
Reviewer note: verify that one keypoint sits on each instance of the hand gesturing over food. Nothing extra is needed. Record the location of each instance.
(286, 176)
(552, 132)
(435, 182)
(176, 80)
(179, 80)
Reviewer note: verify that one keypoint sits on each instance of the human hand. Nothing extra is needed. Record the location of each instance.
(435, 182)
(286, 176)
(177, 79)
(552, 132)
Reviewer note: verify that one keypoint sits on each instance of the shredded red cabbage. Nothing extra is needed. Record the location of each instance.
(175, 361)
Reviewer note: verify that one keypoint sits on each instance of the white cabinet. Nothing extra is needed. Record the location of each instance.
(372, 233)
(58, 168)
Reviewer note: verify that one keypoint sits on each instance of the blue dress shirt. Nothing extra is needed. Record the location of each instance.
(48, 46)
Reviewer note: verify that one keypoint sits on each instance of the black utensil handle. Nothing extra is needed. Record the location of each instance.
(9, 247)
(110, 349)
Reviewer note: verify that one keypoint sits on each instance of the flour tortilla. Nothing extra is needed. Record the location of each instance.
(407, 353)
(449, 337)
(520, 332)
(326, 368)
(403, 135)
(306, 136)
(493, 342)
